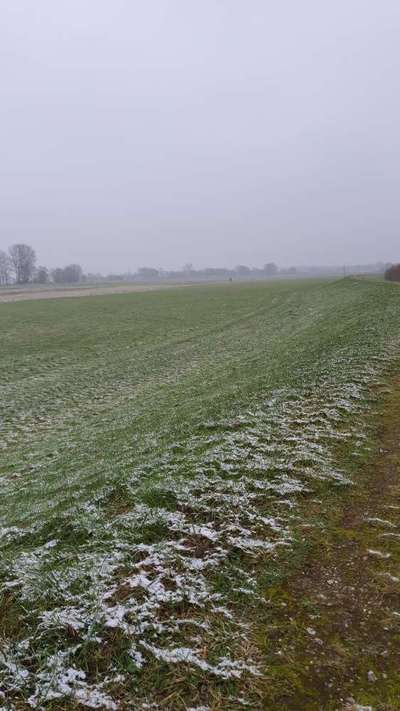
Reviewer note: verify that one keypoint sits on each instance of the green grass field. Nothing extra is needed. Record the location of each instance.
(157, 453)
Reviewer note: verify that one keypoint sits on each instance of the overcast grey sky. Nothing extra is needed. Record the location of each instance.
(156, 132)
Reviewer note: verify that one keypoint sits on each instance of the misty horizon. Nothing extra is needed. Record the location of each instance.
(216, 134)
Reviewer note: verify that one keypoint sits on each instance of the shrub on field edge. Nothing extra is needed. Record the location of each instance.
(393, 273)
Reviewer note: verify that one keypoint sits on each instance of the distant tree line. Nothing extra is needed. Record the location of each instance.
(18, 266)
(188, 273)
(71, 274)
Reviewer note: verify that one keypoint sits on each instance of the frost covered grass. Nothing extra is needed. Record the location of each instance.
(157, 451)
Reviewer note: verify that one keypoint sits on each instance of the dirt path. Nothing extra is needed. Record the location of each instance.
(70, 292)
(334, 626)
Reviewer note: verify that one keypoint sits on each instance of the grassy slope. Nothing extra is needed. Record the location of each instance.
(94, 390)
(86, 384)
(100, 375)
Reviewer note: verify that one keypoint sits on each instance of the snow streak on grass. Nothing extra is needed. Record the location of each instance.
(155, 569)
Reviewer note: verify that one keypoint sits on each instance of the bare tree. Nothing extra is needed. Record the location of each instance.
(5, 268)
(242, 270)
(41, 275)
(147, 273)
(23, 259)
(71, 274)
(270, 269)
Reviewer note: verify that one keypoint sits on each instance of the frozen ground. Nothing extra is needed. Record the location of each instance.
(143, 485)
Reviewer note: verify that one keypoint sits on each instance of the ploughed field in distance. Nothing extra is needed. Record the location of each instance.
(160, 454)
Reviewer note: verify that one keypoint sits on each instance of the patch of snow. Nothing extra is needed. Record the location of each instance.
(378, 554)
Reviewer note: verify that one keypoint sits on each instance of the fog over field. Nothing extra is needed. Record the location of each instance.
(199, 355)
(208, 132)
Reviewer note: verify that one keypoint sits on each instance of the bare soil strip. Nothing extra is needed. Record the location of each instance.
(33, 294)
(333, 633)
